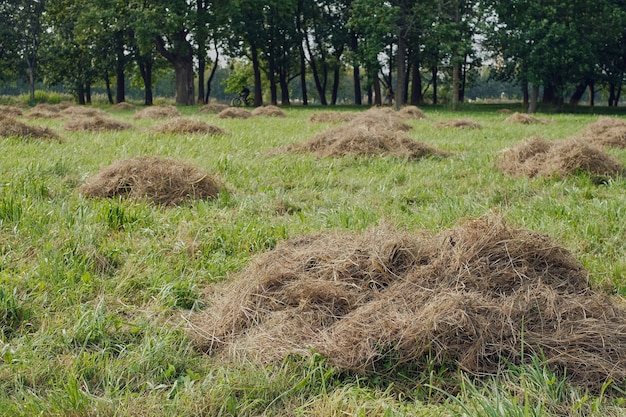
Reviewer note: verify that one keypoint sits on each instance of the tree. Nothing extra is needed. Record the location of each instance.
(10, 53)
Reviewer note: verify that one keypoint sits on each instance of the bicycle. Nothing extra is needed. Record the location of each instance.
(240, 101)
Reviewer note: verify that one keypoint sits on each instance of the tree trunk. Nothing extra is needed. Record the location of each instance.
(454, 99)
(417, 98)
(401, 71)
(120, 92)
(80, 93)
(578, 93)
(256, 68)
(201, 69)
(305, 96)
(31, 78)
(356, 77)
(183, 69)
(549, 94)
(321, 88)
(145, 67)
(534, 97)
(335, 91)
(208, 82)
(107, 83)
(434, 82)
(592, 93)
(378, 101)
(525, 98)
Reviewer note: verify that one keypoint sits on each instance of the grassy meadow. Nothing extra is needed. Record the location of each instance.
(95, 294)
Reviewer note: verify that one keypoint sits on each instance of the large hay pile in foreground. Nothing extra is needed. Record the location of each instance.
(479, 296)
(375, 132)
(163, 181)
(539, 157)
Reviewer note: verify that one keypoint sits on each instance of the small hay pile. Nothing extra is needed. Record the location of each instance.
(459, 124)
(123, 106)
(270, 110)
(538, 157)
(45, 111)
(157, 112)
(383, 118)
(11, 111)
(83, 111)
(504, 111)
(524, 118)
(9, 127)
(96, 124)
(163, 181)
(332, 116)
(190, 126)
(234, 113)
(480, 295)
(607, 131)
(412, 112)
(213, 108)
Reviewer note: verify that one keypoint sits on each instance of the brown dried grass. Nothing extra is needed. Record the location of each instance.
(459, 124)
(189, 126)
(269, 110)
(538, 157)
(332, 116)
(163, 181)
(96, 124)
(45, 111)
(11, 111)
(123, 106)
(213, 108)
(158, 112)
(412, 112)
(607, 131)
(383, 118)
(234, 113)
(524, 118)
(481, 295)
(83, 111)
(9, 127)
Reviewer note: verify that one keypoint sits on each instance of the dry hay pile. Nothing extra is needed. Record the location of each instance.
(188, 125)
(234, 113)
(96, 124)
(10, 111)
(157, 112)
(524, 118)
(504, 111)
(412, 112)
(459, 124)
(163, 181)
(270, 110)
(538, 157)
(45, 111)
(83, 111)
(383, 118)
(332, 116)
(480, 295)
(123, 106)
(607, 131)
(213, 108)
(9, 127)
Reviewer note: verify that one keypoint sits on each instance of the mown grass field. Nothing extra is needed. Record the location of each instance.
(95, 294)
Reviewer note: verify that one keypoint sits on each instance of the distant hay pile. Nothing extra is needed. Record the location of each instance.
(9, 127)
(83, 111)
(481, 296)
(538, 157)
(332, 116)
(607, 131)
(459, 124)
(123, 106)
(524, 118)
(96, 124)
(412, 112)
(188, 125)
(213, 108)
(45, 111)
(11, 111)
(163, 181)
(375, 132)
(158, 112)
(234, 113)
(270, 111)
(504, 111)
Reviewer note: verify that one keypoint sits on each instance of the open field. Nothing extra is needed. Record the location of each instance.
(97, 294)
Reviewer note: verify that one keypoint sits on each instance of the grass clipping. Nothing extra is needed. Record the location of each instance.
(375, 132)
(163, 181)
(539, 157)
(478, 296)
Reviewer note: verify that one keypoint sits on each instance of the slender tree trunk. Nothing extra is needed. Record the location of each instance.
(321, 89)
(208, 82)
(201, 69)
(31, 78)
(80, 93)
(120, 92)
(256, 68)
(305, 96)
(534, 98)
(145, 67)
(434, 83)
(578, 93)
(107, 83)
(455, 86)
(378, 100)
(525, 95)
(417, 98)
(88, 93)
(356, 77)
(401, 71)
(335, 91)
(592, 93)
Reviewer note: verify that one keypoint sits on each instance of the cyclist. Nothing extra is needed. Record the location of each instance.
(245, 92)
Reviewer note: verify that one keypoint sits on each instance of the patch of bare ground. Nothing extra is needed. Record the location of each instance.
(189, 125)
(538, 157)
(163, 181)
(480, 296)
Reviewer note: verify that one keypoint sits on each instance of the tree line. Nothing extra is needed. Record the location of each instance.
(552, 47)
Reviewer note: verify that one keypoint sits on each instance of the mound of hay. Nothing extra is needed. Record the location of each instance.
(157, 112)
(123, 106)
(83, 111)
(270, 110)
(9, 127)
(213, 108)
(607, 131)
(538, 157)
(45, 111)
(163, 181)
(332, 116)
(363, 140)
(234, 113)
(504, 111)
(459, 124)
(383, 118)
(524, 118)
(412, 112)
(188, 125)
(96, 124)
(481, 295)
(11, 111)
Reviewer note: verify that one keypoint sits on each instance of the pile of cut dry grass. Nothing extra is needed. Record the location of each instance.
(269, 110)
(46, 111)
(332, 116)
(96, 124)
(504, 111)
(123, 106)
(459, 124)
(213, 108)
(607, 131)
(11, 111)
(412, 112)
(234, 113)
(188, 125)
(524, 118)
(163, 181)
(538, 157)
(83, 111)
(9, 127)
(157, 112)
(481, 295)
(382, 118)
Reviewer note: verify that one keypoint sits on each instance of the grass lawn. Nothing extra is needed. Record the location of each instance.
(95, 294)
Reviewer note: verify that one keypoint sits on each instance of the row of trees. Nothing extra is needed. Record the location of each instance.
(554, 46)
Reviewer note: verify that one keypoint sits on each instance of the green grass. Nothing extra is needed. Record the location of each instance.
(94, 293)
